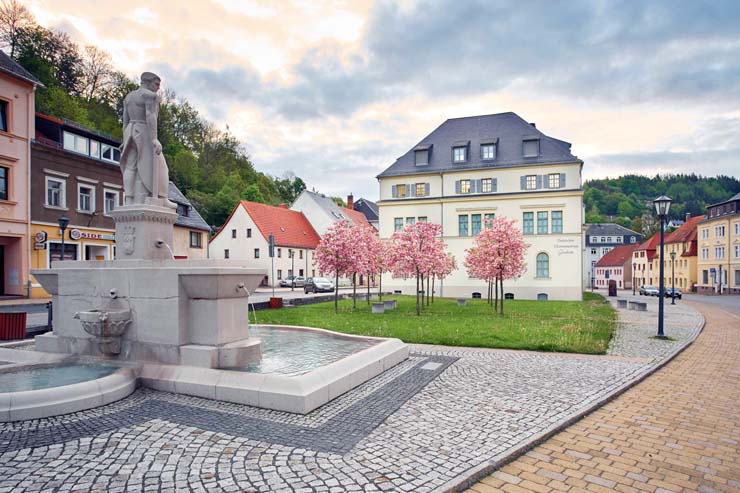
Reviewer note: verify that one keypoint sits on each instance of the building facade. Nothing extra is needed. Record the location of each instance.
(322, 212)
(680, 262)
(615, 266)
(642, 261)
(600, 239)
(368, 208)
(472, 169)
(17, 90)
(191, 231)
(718, 264)
(245, 236)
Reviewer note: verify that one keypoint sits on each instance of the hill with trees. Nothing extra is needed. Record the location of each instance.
(210, 166)
(628, 200)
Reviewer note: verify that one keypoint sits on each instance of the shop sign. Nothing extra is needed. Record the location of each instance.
(76, 234)
(40, 237)
(39, 246)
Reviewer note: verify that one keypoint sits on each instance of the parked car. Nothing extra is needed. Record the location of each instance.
(293, 281)
(649, 291)
(673, 293)
(318, 285)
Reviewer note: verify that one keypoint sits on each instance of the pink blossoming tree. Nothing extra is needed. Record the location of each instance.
(414, 251)
(497, 254)
(336, 254)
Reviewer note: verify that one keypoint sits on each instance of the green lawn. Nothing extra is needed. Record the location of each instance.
(567, 326)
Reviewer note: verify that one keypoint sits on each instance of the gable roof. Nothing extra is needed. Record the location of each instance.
(335, 212)
(686, 232)
(289, 228)
(609, 229)
(10, 66)
(367, 207)
(356, 217)
(617, 257)
(507, 130)
(193, 220)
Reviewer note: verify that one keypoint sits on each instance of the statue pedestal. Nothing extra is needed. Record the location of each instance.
(144, 231)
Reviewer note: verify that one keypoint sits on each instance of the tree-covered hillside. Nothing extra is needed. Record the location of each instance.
(628, 200)
(209, 166)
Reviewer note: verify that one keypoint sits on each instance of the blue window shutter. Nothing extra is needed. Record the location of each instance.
(562, 180)
(394, 192)
(473, 184)
(538, 180)
(408, 190)
(545, 181)
(478, 186)
(426, 189)
(494, 184)
(412, 189)
(523, 183)
(457, 186)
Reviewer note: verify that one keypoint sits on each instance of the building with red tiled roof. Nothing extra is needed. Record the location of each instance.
(680, 269)
(617, 266)
(642, 260)
(245, 236)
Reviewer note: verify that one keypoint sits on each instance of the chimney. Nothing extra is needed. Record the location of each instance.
(283, 206)
(534, 125)
(688, 216)
(350, 202)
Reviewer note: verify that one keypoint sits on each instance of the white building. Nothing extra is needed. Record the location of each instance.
(475, 168)
(246, 233)
(321, 211)
(601, 238)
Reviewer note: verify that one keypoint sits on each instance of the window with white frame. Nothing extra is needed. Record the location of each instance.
(704, 233)
(737, 251)
(737, 228)
(421, 189)
(56, 192)
(486, 185)
(400, 191)
(719, 252)
(488, 151)
(85, 198)
(76, 143)
(593, 251)
(553, 180)
(633, 239)
(464, 186)
(196, 239)
(4, 182)
(4, 116)
(719, 231)
(397, 224)
(110, 153)
(459, 154)
(543, 265)
(110, 201)
(95, 149)
(531, 182)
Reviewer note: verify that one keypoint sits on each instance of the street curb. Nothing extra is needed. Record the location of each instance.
(474, 475)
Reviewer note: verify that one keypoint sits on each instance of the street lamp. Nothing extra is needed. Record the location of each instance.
(662, 205)
(292, 269)
(63, 223)
(673, 278)
(634, 269)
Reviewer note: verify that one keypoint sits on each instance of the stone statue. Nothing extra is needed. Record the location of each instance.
(145, 174)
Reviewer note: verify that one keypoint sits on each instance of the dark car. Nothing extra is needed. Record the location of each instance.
(673, 293)
(649, 290)
(318, 285)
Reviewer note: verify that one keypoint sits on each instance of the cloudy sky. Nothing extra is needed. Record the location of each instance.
(335, 91)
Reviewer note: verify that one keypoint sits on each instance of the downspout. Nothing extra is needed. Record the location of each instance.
(442, 223)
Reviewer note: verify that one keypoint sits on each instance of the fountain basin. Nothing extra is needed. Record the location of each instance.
(297, 392)
(46, 394)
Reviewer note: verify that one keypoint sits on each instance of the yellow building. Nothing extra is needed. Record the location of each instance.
(718, 265)
(679, 270)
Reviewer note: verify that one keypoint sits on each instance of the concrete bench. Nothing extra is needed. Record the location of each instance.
(462, 301)
(639, 306)
(389, 304)
(378, 308)
(621, 303)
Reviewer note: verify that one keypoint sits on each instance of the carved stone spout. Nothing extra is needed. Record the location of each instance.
(107, 326)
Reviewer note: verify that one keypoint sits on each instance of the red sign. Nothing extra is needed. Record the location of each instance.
(40, 236)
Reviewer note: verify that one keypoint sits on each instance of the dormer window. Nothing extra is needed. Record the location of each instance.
(460, 151)
(421, 155)
(488, 149)
(531, 147)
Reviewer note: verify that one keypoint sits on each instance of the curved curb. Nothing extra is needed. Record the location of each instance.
(472, 476)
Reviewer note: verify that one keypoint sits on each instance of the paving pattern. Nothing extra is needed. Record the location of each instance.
(428, 421)
(677, 431)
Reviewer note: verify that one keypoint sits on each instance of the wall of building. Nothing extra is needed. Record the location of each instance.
(14, 156)
(243, 248)
(708, 264)
(182, 247)
(316, 215)
(564, 249)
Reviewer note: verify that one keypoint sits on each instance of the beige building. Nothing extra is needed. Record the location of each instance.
(472, 169)
(679, 270)
(17, 108)
(190, 236)
(718, 265)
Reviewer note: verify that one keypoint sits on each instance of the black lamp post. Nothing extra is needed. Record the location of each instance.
(662, 205)
(673, 278)
(292, 269)
(63, 223)
(634, 270)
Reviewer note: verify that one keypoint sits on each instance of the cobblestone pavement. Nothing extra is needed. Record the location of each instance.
(432, 419)
(677, 431)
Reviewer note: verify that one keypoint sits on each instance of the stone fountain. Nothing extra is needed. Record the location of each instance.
(144, 305)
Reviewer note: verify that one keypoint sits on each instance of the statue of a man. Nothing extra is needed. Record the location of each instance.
(145, 174)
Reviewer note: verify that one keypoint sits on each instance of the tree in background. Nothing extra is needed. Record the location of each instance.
(14, 16)
(414, 251)
(335, 254)
(497, 254)
(371, 255)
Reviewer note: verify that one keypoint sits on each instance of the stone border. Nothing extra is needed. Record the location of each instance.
(66, 399)
(295, 394)
(474, 475)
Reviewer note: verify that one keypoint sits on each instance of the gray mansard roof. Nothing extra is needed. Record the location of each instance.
(609, 229)
(507, 130)
(193, 220)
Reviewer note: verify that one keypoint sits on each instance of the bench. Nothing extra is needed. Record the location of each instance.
(462, 301)
(621, 303)
(639, 306)
(378, 307)
(389, 304)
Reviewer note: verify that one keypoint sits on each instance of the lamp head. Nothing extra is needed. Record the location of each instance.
(63, 222)
(673, 255)
(662, 205)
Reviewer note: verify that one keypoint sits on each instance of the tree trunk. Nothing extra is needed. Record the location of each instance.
(368, 290)
(354, 290)
(495, 287)
(489, 294)
(380, 286)
(336, 293)
(501, 280)
(417, 294)
(434, 278)
(428, 284)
